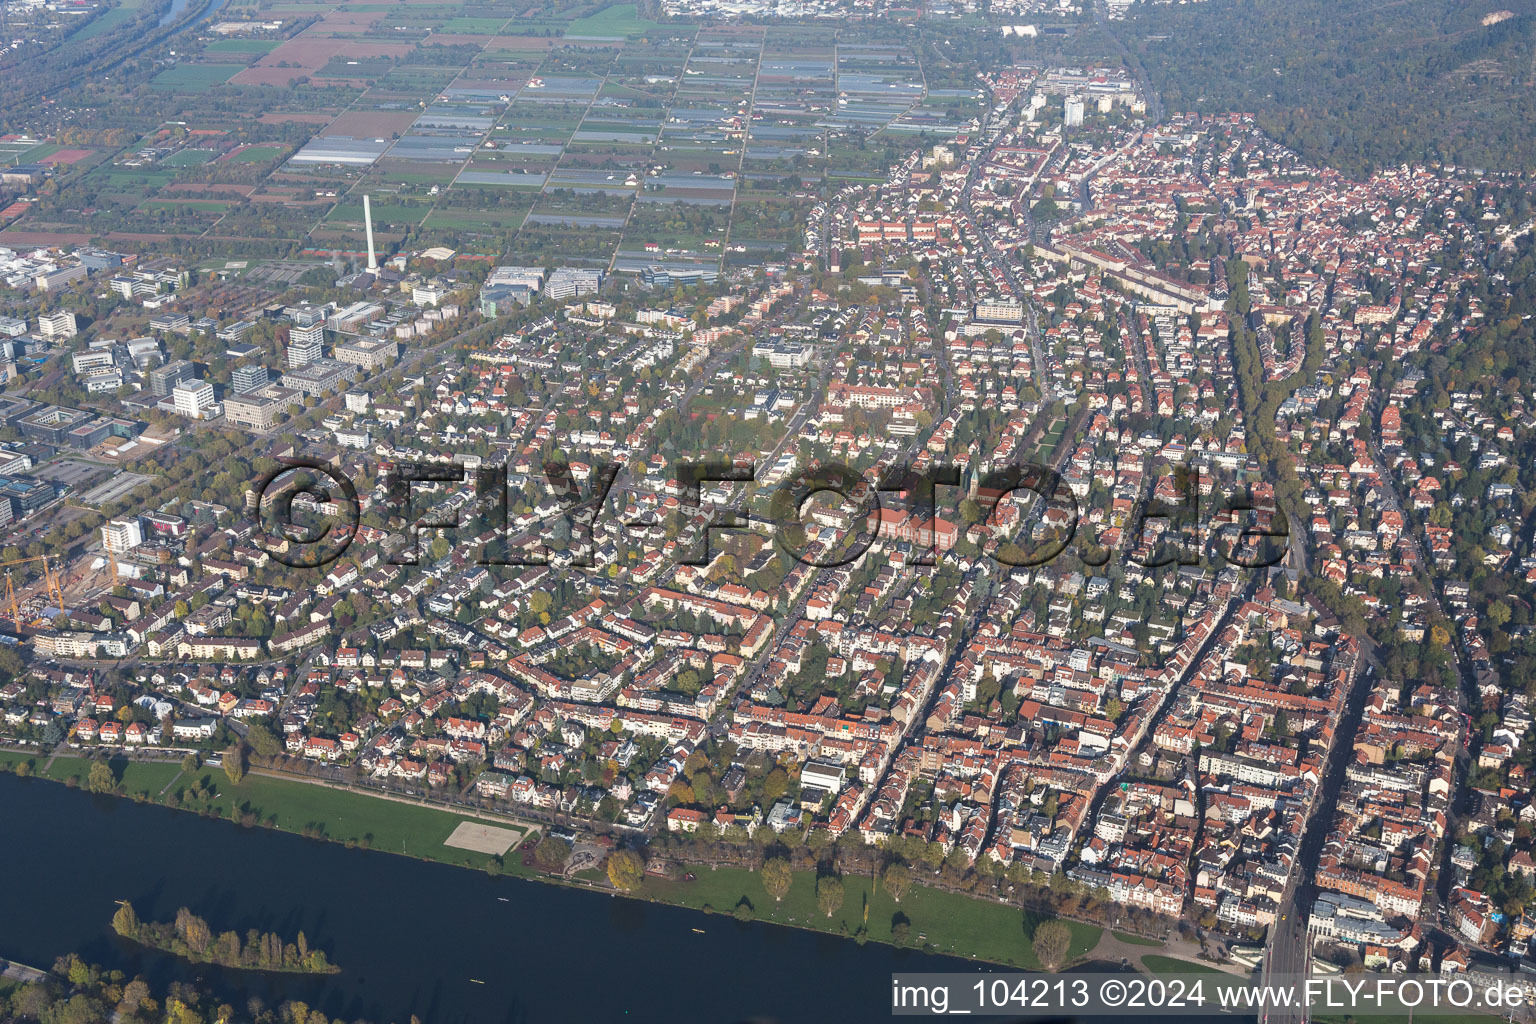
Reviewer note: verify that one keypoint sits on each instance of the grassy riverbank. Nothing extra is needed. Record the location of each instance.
(343, 816)
(935, 920)
(938, 921)
(136, 777)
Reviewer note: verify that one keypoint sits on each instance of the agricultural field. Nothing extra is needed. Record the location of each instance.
(587, 133)
(195, 76)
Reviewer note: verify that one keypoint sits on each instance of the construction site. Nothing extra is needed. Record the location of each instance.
(38, 588)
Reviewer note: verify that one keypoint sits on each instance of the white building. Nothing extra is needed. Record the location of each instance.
(120, 535)
(999, 311)
(1072, 111)
(305, 344)
(193, 398)
(57, 325)
(568, 281)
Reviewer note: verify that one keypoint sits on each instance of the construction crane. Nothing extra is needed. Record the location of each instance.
(49, 578)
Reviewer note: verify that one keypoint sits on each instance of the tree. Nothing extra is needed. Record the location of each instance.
(32, 1001)
(194, 931)
(774, 785)
(777, 877)
(79, 1009)
(550, 854)
(829, 894)
(1051, 941)
(11, 664)
(101, 778)
(625, 870)
(126, 921)
(897, 879)
(262, 741)
(134, 994)
(234, 763)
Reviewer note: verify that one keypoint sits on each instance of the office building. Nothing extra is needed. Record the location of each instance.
(566, 282)
(247, 379)
(261, 409)
(24, 495)
(193, 398)
(56, 326)
(163, 379)
(368, 352)
(319, 377)
(305, 344)
(121, 535)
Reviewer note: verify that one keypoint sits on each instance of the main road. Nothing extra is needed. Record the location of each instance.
(1288, 952)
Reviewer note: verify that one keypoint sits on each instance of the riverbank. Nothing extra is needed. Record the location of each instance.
(515, 951)
(266, 799)
(935, 920)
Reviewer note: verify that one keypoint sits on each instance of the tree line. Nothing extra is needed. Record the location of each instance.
(190, 938)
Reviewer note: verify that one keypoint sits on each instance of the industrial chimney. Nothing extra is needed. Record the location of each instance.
(373, 260)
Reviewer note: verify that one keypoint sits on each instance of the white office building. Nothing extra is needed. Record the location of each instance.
(305, 344)
(120, 535)
(193, 398)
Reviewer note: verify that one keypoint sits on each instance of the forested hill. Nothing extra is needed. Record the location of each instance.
(1355, 84)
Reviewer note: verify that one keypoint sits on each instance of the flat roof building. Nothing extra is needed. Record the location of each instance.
(260, 410)
(319, 377)
(366, 351)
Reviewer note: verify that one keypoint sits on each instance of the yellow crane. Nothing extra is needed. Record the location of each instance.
(50, 578)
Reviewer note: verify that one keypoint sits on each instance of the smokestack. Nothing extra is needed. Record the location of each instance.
(373, 260)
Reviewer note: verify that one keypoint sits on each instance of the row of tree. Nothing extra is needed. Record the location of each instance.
(190, 938)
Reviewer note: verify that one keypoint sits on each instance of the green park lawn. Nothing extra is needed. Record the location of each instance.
(1137, 940)
(135, 777)
(344, 816)
(1169, 965)
(941, 921)
(11, 758)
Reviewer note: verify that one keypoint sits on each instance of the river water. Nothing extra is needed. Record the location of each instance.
(409, 935)
(178, 6)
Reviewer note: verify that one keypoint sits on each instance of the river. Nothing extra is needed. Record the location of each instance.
(409, 935)
(178, 6)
